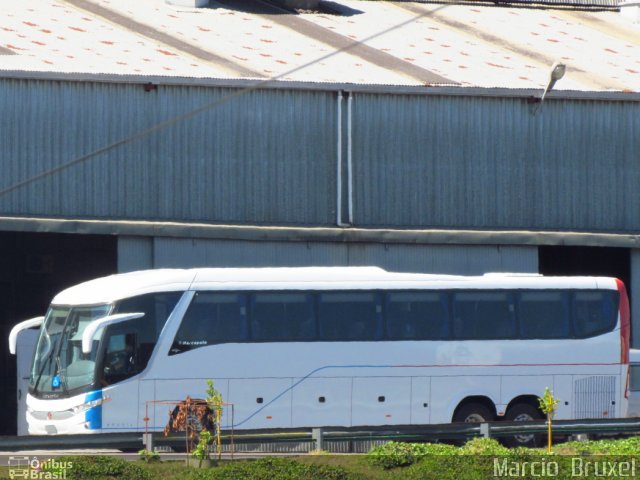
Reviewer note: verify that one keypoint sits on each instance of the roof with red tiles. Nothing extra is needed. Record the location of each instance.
(355, 41)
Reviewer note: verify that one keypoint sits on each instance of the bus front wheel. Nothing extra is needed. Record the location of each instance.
(473, 413)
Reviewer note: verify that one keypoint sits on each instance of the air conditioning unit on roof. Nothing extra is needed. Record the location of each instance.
(188, 3)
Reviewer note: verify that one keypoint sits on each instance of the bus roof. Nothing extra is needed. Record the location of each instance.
(115, 287)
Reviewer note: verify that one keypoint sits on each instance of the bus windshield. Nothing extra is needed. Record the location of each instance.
(59, 364)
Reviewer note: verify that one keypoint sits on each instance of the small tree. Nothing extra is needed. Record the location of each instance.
(201, 452)
(215, 403)
(548, 404)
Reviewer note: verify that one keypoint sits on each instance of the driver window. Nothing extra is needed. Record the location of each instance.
(120, 357)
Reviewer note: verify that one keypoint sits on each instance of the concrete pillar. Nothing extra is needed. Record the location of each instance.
(318, 436)
(147, 441)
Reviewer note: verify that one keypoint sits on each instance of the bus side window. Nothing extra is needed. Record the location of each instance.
(544, 314)
(212, 318)
(634, 377)
(594, 312)
(416, 316)
(282, 316)
(350, 316)
(483, 315)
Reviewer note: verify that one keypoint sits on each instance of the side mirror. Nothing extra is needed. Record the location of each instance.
(100, 324)
(13, 335)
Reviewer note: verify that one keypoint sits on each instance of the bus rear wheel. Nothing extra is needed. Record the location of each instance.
(523, 412)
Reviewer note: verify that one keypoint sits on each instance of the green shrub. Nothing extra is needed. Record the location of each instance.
(148, 456)
(271, 469)
(625, 446)
(392, 455)
(101, 468)
(451, 467)
(484, 446)
(398, 454)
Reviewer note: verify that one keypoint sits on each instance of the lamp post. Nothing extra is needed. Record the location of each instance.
(557, 72)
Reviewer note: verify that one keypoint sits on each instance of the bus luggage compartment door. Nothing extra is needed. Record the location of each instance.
(322, 402)
(381, 401)
(261, 402)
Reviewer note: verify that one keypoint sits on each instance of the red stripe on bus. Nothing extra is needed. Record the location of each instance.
(625, 323)
(510, 365)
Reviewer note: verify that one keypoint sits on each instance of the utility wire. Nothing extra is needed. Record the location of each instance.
(227, 98)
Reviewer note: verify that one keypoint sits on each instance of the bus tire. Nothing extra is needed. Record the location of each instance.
(523, 412)
(473, 413)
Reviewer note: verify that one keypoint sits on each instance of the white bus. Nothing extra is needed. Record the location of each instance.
(327, 346)
(634, 383)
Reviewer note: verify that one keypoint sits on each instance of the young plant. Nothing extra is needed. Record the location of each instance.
(148, 456)
(215, 403)
(201, 452)
(548, 404)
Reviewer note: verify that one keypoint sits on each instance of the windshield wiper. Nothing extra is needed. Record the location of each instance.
(44, 360)
(63, 378)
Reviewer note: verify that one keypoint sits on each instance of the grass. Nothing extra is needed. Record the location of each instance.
(429, 461)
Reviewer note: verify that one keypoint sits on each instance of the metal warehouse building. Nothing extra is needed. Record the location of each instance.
(106, 173)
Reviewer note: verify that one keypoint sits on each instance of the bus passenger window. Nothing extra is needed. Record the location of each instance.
(417, 316)
(544, 314)
(285, 317)
(212, 318)
(349, 316)
(594, 312)
(483, 315)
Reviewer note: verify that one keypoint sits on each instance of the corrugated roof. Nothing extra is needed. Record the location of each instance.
(365, 42)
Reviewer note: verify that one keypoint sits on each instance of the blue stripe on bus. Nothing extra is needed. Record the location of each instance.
(302, 380)
(93, 416)
(326, 367)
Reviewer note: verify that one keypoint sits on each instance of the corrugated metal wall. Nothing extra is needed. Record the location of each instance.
(263, 157)
(158, 252)
(269, 157)
(490, 163)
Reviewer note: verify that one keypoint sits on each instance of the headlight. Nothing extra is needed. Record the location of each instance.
(87, 406)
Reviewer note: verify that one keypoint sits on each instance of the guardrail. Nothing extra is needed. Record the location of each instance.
(318, 437)
(49, 442)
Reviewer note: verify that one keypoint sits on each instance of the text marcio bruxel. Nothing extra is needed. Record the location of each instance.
(578, 467)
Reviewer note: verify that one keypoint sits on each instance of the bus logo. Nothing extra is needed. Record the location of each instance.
(18, 467)
(51, 469)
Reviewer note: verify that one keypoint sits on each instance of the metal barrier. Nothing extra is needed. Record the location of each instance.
(325, 437)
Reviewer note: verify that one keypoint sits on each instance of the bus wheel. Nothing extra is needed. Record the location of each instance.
(473, 413)
(523, 412)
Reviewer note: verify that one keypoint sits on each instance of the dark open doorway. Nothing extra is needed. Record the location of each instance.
(34, 267)
(596, 261)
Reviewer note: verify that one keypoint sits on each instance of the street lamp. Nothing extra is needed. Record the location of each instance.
(557, 72)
